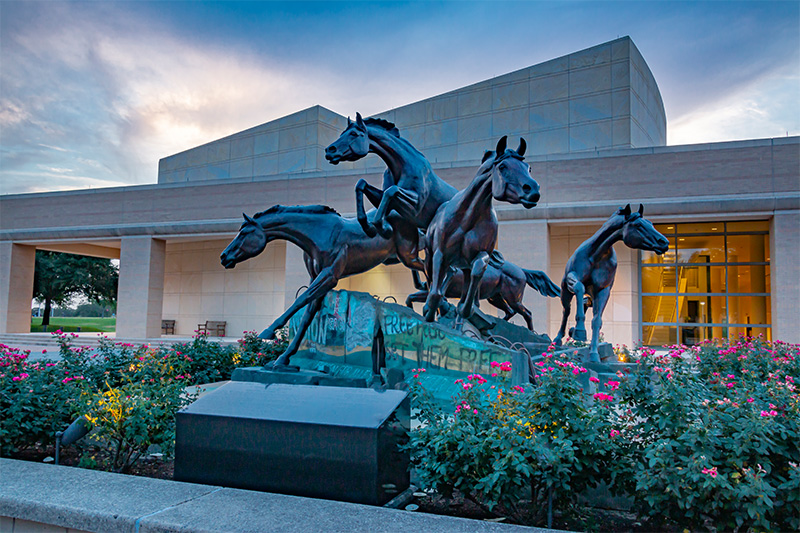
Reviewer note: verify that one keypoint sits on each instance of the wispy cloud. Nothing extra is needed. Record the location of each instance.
(103, 90)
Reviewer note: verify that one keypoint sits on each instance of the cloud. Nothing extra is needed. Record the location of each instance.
(767, 107)
(125, 96)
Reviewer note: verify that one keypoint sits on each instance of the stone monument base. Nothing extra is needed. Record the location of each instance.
(336, 443)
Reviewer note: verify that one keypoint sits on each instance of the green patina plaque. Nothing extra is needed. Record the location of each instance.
(343, 332)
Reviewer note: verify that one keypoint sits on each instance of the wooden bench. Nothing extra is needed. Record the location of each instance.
(168, 327)
(212, 327)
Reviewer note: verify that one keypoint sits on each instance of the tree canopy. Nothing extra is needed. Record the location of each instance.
(59, 276)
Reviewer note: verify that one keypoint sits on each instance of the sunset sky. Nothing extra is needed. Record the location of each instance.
(93, 94)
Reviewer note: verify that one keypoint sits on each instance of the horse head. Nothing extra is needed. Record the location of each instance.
(352, 144)
(639, 233)
(251, 241)
(511, 175)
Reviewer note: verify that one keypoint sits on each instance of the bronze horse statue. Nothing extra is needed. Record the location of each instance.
(410, 186)
(334, 247)
(463, 233)
(502, 287)
(591, 269)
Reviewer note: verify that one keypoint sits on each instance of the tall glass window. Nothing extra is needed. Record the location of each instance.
(713, 282)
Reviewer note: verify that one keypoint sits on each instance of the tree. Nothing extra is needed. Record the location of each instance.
(58, 277)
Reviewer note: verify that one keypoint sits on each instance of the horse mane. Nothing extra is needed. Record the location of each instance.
(383, 124)
(304, 209)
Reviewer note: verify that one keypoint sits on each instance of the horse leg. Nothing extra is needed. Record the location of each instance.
(577, 288)
(324, 282)
(525, 312)
(501, 304)
(419, 296)
(374, 195)
(437, 287)
(476, 275)
(566, 303)
(311, 311)
(598, 306)
(401, 200)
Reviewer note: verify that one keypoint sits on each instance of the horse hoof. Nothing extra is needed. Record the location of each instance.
(594, 357)
(276, 366)
(579, 335)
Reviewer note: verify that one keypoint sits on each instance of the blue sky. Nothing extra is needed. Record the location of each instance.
(92, 94)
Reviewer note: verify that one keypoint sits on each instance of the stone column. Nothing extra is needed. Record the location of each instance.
(784, 245)
(141, 287)
(17, 263)
(527, 244)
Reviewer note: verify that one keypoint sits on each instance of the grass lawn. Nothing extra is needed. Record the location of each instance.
(87, 324)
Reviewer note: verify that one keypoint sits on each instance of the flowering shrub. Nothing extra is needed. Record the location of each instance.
(714, 430)
(36, 400)
(500, 444)
(130, 392)
(698, 436)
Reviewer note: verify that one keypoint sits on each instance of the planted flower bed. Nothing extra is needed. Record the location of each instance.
(700, 438)
(129, 394)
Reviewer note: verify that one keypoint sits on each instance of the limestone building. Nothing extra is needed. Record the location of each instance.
(596, 131)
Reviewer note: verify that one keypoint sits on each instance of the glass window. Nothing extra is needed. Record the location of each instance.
(701, 249)
(702, 227)
(702, 309)
(701, 279)
(659, 335)
(750, 331)
(658, 308)
(658, 279)
(748, 226)
(749, 310)
(748, 278)
(747, 248)
(714, 282)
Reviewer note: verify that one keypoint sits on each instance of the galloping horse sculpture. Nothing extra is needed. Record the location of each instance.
(334, 247)
(463, 233)
(592, 268)
(410, 186)
(502, 287)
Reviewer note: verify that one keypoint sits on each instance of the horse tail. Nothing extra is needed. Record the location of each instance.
(538, 280)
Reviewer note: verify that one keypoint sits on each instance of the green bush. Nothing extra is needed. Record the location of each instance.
(36, 400)
(715, 435)
(130, 392)
(500, 445)
(702, 436)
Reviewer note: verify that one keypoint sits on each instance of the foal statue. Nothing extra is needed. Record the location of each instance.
(591, 269)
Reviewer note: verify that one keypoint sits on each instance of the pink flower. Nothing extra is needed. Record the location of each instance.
(750, 400)
(729, 385)
(613, 433)
(711, 471)
(494, 374)
(603, 397)
(475, 411)
(576, 371)
(594, 379)
(44, 351)
(613, 385)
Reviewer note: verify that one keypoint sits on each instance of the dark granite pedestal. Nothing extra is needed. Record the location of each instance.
(336, 443)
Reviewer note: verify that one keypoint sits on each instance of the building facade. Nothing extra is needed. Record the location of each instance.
(596, 132)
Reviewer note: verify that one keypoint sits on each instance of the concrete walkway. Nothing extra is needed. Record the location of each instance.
(35, 495)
